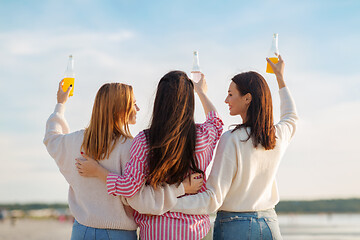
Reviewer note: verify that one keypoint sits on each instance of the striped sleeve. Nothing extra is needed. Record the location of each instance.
(135, 170)
(208, 134)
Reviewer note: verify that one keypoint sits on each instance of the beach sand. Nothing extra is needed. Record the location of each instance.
(293, 227)
(37, 229)
(31, 229)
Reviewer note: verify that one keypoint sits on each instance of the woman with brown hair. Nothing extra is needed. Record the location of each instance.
(242, 184)
(171, 149)
(107, 139)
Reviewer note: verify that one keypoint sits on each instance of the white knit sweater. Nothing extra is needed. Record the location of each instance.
(243, 177)
(88, 199)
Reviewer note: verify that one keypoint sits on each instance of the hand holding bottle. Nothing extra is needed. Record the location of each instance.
(278, 69)
(62, 96)
(273, 53)
(195, 71)
(69, 76)
(200, 86)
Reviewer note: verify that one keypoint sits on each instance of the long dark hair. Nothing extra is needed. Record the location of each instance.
(172, 133)
(260, 112)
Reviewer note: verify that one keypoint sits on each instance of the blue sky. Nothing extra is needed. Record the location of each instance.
(137, 42)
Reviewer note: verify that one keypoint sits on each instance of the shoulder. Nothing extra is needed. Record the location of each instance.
(140, 138)
(77, 135)
(124, 144)
(227, 139)
(226, 136)
(139, 143)
(127, 142)
(228, 144)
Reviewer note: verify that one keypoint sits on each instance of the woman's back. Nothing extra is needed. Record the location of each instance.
(88, 199)
(253, 187)
(243, 176)
(151, 226)
(108, 140)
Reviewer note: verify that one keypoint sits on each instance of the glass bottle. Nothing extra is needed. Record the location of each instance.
(195, 71)
(273, 53)
(69, 76)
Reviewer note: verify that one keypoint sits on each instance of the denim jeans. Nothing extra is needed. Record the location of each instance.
(81, 232)
(260, 225)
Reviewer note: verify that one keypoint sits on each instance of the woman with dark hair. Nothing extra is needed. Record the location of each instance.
(168, 152)
(242, 185)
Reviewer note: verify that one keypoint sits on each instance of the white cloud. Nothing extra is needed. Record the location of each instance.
(29, 43)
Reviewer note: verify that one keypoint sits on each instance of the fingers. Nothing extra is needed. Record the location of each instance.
(79, 167)
(61, 83)
(196, 176)
(198, 184)
(202, 77)
(68, 90)
(280, 58)
(270, 62)
(85, 156)
(78, 163)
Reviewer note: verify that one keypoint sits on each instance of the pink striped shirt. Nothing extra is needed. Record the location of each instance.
(171, 225)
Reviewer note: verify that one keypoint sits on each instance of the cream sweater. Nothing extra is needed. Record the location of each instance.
(88, 199)
(242, 178)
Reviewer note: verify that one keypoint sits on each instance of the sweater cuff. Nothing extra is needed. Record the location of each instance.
(283, 90)
(60, 108)
(111, 183)
(180, 190)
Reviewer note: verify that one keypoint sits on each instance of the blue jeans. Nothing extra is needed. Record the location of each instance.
(260, 225)
(81, 232)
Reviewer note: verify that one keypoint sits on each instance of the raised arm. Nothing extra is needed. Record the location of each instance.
(288, 115)
(57, 127)
(201, 89)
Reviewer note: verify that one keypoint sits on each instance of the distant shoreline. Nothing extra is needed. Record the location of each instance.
(351, 205)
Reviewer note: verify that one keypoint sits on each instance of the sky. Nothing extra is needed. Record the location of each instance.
(137, 42)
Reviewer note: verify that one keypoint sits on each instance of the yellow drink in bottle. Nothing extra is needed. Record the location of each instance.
(273, 53)
(268, 67)
(66, 84)
(69, 76)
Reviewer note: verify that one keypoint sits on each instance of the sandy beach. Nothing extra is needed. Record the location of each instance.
(293, 227)
(35, 229)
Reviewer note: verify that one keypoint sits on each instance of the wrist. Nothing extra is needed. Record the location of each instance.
(61, 101)
(279, 77)
(102, 173)
(201, 93)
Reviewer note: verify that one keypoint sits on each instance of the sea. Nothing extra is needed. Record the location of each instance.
(320, 226)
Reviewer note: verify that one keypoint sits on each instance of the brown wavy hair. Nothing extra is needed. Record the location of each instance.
(260, 112)
(109, 122)
(172, 132)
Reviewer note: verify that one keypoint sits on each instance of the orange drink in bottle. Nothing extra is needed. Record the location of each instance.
(69, 76)
(268, 67)
(273, 53)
